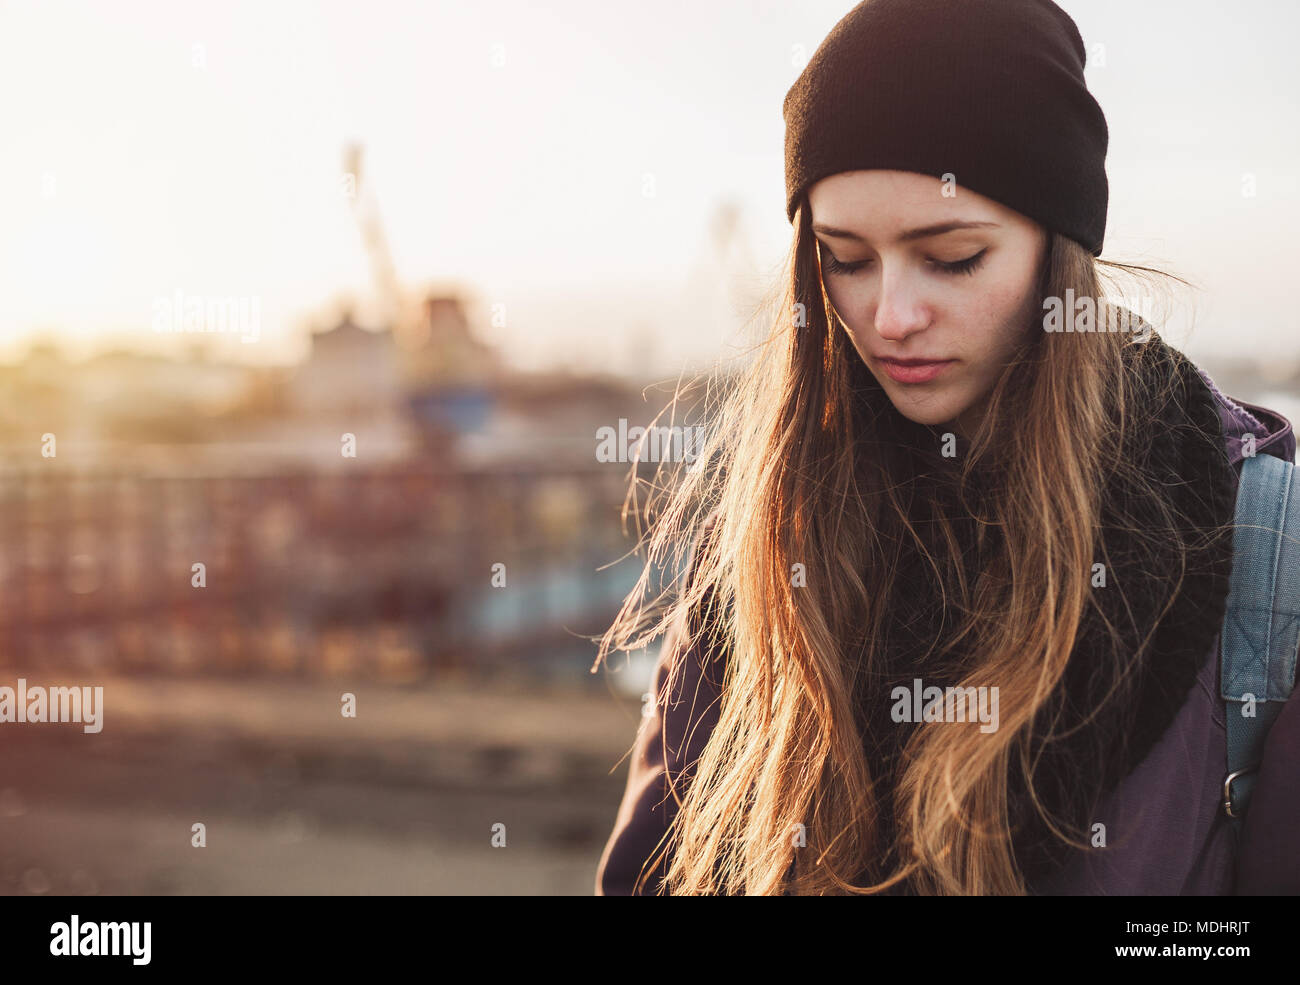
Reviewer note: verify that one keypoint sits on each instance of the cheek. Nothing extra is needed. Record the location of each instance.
(848, 317)
(845, 306)
(1008, 318)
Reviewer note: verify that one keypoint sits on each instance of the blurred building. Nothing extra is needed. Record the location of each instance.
(349, 370)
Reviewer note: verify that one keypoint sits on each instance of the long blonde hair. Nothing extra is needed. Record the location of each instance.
(804, 466)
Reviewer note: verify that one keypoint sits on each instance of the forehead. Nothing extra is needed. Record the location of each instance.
(881, 201)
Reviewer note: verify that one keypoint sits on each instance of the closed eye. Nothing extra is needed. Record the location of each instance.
(967, 266)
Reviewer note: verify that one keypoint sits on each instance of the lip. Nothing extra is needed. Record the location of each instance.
(914, 370)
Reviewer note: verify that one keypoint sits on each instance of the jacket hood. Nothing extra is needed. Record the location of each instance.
(1273, 432)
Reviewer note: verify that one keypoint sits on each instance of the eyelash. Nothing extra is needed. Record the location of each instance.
(967, 266)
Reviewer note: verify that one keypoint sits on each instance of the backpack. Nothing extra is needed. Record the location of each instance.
(1257, 654)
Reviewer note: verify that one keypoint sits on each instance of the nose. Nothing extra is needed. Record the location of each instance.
(900, 311)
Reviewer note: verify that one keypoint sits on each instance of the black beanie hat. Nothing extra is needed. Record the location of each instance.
(990, 91)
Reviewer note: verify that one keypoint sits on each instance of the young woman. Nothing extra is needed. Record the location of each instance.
(922, 483)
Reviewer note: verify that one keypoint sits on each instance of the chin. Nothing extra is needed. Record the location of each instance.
(928, 412)
(930, 419)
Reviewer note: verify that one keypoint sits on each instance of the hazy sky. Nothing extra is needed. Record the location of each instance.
(147, 148)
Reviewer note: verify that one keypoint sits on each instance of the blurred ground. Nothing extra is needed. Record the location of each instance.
(297, 799)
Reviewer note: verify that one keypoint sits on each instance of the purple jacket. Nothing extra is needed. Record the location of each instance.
(1167, 833)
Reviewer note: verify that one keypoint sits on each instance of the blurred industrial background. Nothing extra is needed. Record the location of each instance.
(350, 513)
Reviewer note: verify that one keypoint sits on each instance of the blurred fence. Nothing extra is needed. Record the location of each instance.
(383, 572)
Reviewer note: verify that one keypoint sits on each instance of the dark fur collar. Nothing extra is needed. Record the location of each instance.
(1182, 449)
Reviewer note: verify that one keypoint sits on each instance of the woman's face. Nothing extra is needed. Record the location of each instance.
(915, 275)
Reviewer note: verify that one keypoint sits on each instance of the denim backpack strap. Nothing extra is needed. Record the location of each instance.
(1262, 625)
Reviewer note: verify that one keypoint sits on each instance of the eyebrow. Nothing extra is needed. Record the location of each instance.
(921, 232)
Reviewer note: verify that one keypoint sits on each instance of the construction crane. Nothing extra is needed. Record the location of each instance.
(365, 210)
